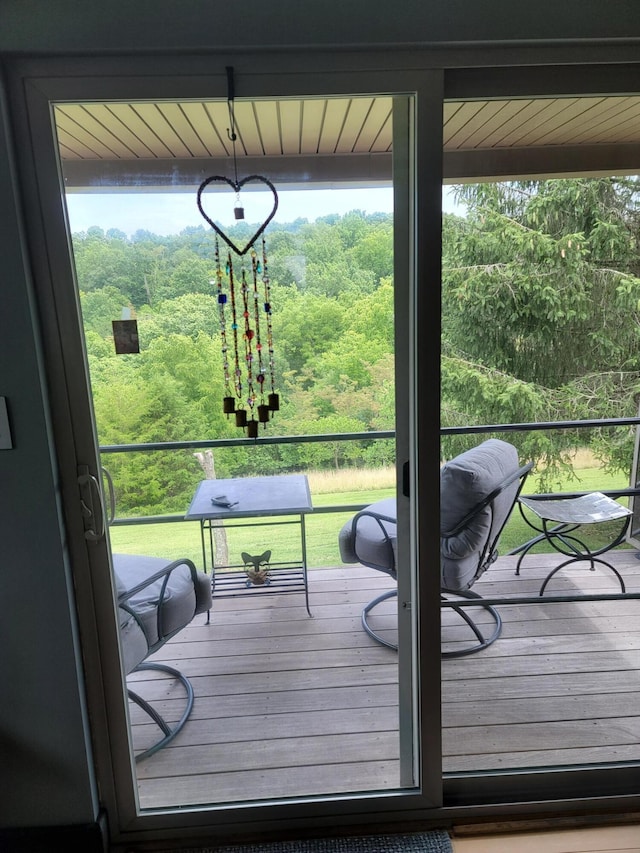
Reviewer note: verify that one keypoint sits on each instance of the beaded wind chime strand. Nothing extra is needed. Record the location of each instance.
(245, 364)
(243, 352)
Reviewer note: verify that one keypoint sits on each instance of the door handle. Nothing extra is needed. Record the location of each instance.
(92, 506)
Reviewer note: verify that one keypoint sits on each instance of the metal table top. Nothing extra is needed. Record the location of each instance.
(586, 509)
(251, 496)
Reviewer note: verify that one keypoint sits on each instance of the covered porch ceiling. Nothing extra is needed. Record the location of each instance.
(169, 145)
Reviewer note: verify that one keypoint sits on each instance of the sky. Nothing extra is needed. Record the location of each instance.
(170, 213)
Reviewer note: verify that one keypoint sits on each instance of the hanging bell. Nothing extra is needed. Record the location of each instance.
(252, 428)
(241, 417)
(238, 210)
(228, 405)
(263, 413)
(274, 402)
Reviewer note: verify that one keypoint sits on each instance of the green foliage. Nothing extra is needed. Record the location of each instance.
(540, 320)
(100, 307)
(333, 331)
(374, 251)
(304, 326)
(334, 453)
(547, 270)
(188, 315)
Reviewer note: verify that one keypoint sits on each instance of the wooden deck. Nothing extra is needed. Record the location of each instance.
(289, 705)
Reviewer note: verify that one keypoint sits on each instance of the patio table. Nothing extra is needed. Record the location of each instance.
(245, 502)
(557, 519)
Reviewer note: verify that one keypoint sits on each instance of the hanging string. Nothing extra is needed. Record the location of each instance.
(274, 399)
(228, 403)
(234, 328)
(231, 131)
(248, 341)
(263, 409)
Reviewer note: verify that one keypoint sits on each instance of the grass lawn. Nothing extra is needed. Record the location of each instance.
(182, 539)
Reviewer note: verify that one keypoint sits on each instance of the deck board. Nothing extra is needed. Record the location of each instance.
(289, 705)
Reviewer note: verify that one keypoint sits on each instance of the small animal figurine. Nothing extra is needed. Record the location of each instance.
(256, 568)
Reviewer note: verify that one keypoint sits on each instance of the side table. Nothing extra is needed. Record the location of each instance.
(557, 519)
(244, 502)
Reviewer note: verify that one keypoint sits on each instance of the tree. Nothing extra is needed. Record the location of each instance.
(545, 268)
(188, 274)
(374, 250)
(187, 315)
(304, 326)
(335, 452)
(221, 545)
(108, 261)
(541, 303)
(100, 307)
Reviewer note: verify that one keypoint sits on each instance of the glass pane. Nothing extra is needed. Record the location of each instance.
(539, 327)
(185, 329)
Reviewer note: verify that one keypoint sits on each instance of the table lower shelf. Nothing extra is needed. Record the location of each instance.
(233, 582)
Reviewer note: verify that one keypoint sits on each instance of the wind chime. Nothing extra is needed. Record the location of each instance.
(243, 291)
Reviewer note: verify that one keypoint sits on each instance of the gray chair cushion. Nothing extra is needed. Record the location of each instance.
(143, 623)
(465, 482)
(363, 539)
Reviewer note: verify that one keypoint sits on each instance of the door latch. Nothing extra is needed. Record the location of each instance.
(91, 505)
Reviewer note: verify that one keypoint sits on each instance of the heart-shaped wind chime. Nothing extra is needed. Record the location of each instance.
(247, 345)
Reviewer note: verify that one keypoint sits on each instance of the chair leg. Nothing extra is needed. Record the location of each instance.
(482, 641)
(365, 613)
(169, 731)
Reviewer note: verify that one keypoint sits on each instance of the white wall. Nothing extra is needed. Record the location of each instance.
(133, 25)
(45, 775)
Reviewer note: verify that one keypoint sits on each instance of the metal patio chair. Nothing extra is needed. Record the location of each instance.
(156, 599)
(478, 491)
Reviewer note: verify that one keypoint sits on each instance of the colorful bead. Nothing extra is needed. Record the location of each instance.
(245, 278)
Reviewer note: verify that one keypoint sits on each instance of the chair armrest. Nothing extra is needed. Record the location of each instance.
(169, 607)
(386, 543)
(162, 573)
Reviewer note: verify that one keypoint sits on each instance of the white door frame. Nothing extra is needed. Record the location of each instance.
(49, 81)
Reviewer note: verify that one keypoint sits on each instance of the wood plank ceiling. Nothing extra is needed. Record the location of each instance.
(312, 136)
(199, 129)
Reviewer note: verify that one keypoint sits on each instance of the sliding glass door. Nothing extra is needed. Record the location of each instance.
(297, 708)
(536, 325)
